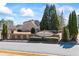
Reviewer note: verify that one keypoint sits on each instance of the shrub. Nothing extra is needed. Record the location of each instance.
(33, 30)
(65, 34)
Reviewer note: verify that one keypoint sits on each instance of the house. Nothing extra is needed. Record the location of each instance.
(19, 27)
(28, 25)
(20, 35)
(23, 31)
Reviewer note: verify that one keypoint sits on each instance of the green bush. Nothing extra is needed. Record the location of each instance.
(33, 30)
(65, 34)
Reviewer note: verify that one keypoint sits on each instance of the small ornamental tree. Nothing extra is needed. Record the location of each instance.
(33, 30)
(65, 34)
(4, 32)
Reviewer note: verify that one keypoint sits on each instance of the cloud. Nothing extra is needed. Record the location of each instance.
(66, 11)
(5, 10)
(66, 8)
(2, 4)
(27, 12)
(77, 11)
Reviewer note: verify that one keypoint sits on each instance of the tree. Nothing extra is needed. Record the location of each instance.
(33, 30)
(65, 34)
(50, 19)
(4, 31)
(44, 22)
(62, 23)
(54, 18)
(73, 26)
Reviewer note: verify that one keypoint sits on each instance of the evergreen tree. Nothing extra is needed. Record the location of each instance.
(65, 34)
(62, 21)
(50, 19)
(45, 18)
(54, 18)
(73, 25)
(4, 31)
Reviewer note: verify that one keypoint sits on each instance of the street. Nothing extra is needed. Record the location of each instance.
(43, 48)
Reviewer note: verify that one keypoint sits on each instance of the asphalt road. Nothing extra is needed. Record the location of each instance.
(51, 49)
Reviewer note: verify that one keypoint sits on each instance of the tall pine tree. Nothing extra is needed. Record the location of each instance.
(45, 19)
(73, 30)
(50, 19)
(62, 21)
(54, 18)
(4, 31)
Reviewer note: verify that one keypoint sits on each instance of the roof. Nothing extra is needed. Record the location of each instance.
(44, 33)
(29, 25)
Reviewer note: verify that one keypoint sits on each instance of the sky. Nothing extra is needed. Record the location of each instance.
(20, 12)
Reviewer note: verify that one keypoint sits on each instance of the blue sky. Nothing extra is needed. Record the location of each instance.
(20, 12)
